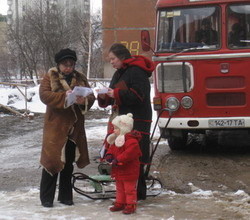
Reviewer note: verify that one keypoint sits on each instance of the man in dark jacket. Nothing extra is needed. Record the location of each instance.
(206, 34)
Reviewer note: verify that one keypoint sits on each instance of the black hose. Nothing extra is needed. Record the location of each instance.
(157, 143)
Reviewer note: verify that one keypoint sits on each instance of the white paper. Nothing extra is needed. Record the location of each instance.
(102, 91)
(102, 151)
(77, 91)
(82, 91)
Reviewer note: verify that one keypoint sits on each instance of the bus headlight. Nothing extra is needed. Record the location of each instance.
(186, 102)
(172, 103)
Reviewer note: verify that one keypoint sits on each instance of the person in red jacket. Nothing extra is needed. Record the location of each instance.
(123, 154)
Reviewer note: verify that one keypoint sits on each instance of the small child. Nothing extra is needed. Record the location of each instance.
(123, 154)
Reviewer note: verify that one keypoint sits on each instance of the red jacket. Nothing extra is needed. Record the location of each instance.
(128, 156)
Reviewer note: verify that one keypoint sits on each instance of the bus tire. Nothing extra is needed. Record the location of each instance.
(177, 143)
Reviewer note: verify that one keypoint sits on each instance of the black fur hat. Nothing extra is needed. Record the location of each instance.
(65, 54)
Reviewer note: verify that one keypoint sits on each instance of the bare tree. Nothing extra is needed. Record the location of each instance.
(4, 75)
(96, 70)
(43, 31)
(79, 24)
(88, 46)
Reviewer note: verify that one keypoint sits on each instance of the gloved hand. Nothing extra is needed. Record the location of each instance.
(109, 158)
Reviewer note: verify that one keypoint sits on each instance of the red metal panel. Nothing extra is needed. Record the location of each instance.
(172, 3)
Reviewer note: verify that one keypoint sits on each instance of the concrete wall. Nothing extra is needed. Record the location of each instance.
(123, 21)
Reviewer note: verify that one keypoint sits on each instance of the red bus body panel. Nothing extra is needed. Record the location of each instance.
(214, 91)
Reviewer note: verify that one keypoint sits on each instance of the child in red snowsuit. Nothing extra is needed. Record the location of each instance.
(123, 154)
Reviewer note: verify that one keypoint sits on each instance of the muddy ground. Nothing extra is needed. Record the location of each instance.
(223, 167)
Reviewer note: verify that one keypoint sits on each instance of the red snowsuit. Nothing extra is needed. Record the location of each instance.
(126, 173)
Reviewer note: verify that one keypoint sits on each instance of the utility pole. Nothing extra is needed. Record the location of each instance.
(90, 48)
(17, 17)
(90, 45)
(18, 38)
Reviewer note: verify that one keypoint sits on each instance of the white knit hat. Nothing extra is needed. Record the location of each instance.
(125, 124)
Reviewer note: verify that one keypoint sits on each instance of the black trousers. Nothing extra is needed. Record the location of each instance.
(48, 182)
(141, 185)
(145, 159)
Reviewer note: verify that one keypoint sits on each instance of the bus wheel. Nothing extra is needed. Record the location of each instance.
(177, 143)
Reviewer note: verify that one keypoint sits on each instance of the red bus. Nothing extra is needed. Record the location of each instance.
(202, 76)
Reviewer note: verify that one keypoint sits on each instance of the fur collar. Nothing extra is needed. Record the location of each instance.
(119, 140)
(58, 83)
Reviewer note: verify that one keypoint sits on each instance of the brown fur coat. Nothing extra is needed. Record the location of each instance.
(61, 123)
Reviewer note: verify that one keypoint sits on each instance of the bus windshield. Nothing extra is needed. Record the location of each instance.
(185, 28)
(238, 26)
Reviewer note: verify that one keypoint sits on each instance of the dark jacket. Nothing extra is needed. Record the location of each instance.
(209, 37)
(60, 123)
(132, 95)
(128, 158)
(132, 92)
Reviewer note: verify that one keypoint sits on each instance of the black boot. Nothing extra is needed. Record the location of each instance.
(47, 188)
(65, 195)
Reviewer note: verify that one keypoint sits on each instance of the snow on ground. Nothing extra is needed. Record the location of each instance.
(24, 204)
(16, 100)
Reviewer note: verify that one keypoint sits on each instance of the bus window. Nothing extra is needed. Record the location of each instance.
(238, 26)
(180, 28)
(206, 35)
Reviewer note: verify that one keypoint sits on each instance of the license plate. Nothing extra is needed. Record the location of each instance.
(223, 123)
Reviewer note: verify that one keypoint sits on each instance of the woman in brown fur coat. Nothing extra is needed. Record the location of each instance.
(64, 138)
